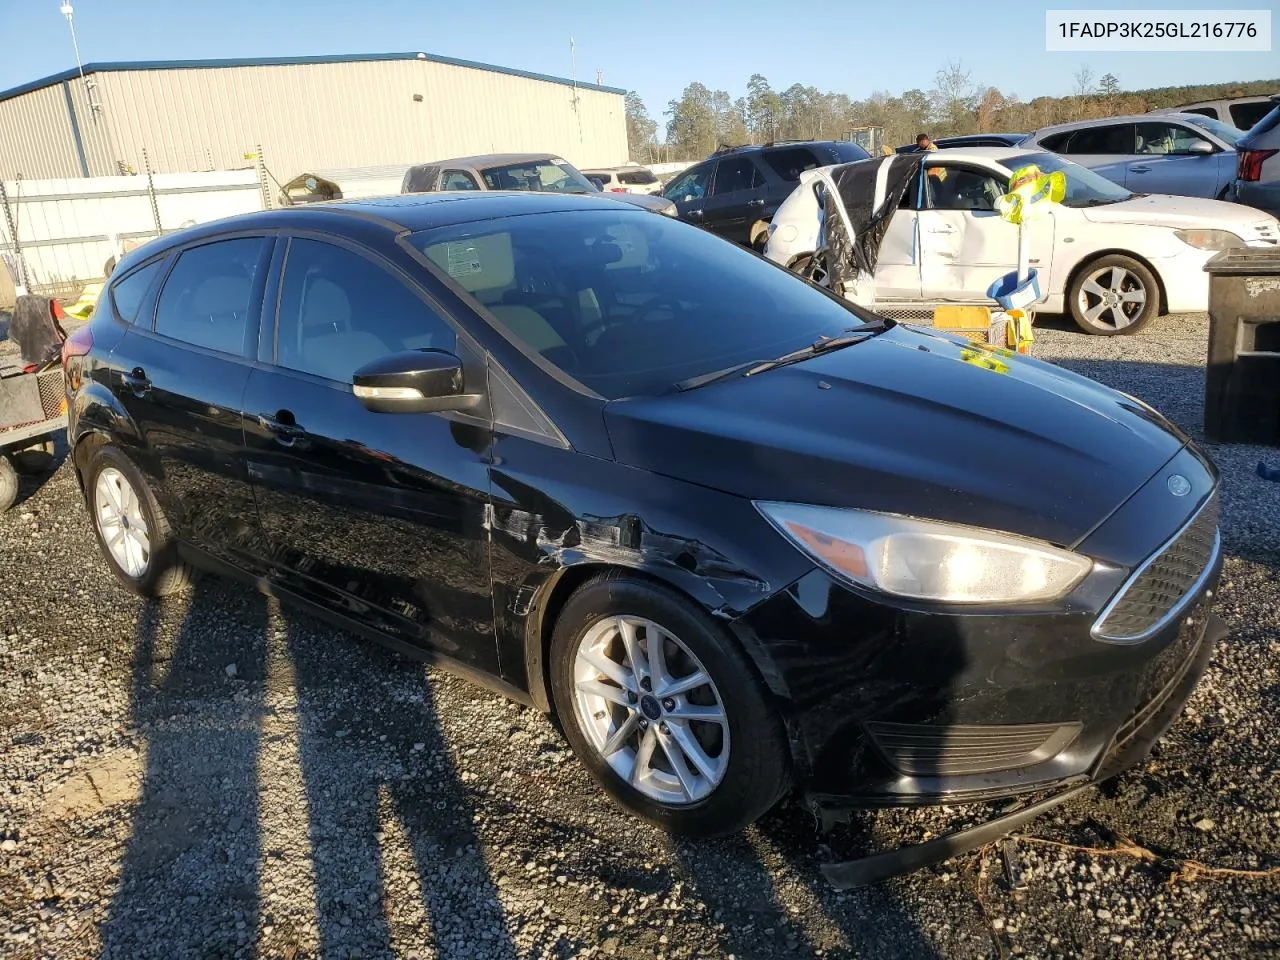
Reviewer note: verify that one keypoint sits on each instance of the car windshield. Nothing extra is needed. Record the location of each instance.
(552, 176)
(1223, 131)
(1084, 187)
(629, 303)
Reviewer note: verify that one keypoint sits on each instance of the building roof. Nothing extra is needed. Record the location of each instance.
(123, 65)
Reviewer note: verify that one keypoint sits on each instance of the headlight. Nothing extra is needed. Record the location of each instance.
(928, 560)
(1209, 239)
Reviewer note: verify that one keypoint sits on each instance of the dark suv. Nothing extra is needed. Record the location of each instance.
(736, 191)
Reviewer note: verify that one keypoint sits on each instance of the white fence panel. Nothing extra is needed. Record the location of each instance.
(66, 230)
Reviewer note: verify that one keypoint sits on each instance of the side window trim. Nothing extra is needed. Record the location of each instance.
(269, 325)
(252, 323)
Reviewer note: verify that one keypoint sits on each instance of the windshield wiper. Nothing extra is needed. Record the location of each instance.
(822, 345)
(703, 379)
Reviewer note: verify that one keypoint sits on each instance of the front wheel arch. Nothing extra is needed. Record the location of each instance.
(556, 591)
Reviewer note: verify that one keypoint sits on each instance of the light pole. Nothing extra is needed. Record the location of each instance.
(67, 11)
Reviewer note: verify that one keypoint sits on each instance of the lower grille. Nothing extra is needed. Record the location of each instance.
(1152, 595)
(957, 750)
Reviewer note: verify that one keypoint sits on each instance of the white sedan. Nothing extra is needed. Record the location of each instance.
(1111, 258)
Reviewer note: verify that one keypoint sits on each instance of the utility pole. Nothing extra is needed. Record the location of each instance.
(67, 11)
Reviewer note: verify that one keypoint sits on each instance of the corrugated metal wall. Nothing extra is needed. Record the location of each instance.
(36, 139)
(308, 116)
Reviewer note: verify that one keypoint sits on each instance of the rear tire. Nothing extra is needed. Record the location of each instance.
(8, 483)
(1113, 295)
(133, 532)
(703, 776)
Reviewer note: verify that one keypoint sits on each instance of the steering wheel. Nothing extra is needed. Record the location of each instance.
(640, 316)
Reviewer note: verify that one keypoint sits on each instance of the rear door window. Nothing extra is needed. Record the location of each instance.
(790, 162)
(1118, 139)
(128, 293)
(211, 293)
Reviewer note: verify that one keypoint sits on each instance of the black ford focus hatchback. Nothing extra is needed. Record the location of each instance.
(738, 536)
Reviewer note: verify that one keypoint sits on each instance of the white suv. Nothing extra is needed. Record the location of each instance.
(625, 179)
(1258, 164)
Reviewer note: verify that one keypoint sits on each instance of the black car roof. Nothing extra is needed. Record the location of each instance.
(412, 211)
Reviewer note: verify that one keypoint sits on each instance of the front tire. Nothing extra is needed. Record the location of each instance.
(1113, 295)
(133, 532)
(665, 710)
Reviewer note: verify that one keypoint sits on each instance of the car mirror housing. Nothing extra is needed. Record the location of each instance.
(414, 381)
(1201, 147)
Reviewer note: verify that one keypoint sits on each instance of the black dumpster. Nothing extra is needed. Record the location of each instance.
(1242, 386)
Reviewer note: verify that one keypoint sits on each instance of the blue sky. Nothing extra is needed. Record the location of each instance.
(654, 47)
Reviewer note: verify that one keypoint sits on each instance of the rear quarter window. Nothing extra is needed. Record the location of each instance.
(128, 293)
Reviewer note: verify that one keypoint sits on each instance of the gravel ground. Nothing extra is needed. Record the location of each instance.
(214, 777)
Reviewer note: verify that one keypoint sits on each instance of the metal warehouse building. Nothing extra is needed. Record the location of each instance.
(306, 113)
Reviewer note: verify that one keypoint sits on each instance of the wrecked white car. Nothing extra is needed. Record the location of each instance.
(1111, 258)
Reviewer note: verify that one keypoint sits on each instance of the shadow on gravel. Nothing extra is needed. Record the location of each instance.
(394, 821)
(768, 877)
(189, 882)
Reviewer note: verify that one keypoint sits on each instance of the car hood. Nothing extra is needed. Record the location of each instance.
(912, 423)
(1180, 213)
(650, 201)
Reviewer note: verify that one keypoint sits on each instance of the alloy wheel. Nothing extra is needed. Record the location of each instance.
(1112, 297)
(651, 710)
(121, 522)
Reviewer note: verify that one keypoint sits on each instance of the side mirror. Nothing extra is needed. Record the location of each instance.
(1201, 147)
(415, 381)
(596, 182)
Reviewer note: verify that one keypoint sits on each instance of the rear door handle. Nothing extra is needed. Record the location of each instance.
(759, 202)
(1139, 168)
(945, 228)
(694, 214)
(283, 427)
(136, 382)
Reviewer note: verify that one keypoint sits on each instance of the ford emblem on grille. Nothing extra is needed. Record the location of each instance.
(1179, 485)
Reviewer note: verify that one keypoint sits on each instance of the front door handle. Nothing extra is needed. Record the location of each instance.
(283, 427)
(759, 202)
(945, 228)
(694, 214)
(1139, 168)
(136, 382)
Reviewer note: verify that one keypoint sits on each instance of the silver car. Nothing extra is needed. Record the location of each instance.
(1184, 154)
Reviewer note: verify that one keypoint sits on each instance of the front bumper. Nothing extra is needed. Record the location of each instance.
(890, 705)
(1129, 748)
